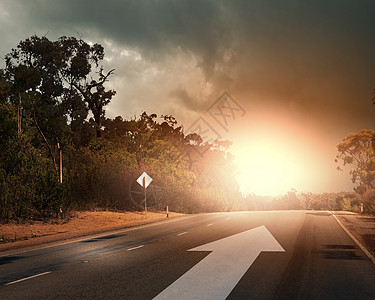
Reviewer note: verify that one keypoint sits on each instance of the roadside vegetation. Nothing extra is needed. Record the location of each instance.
(59, 152)
(52, 108)
(292, 200)
(357, 151)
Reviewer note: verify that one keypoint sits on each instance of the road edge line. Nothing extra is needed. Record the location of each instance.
(359, 244)
(27, 278)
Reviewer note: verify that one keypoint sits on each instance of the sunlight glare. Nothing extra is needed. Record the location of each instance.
(267, 168)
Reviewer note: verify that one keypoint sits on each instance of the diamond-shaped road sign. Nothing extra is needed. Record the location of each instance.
(147, 178)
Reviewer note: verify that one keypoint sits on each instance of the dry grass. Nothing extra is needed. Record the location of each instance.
(77, 224)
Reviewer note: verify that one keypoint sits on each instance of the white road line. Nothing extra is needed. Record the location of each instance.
(227, 219)
(182, 233)
(363, 248)
(130, 249)
(23, 279)
(210, 224)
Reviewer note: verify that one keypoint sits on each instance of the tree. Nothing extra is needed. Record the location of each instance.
(37, 89)
(85, 75)
(307, 200)
(358, 150)
(62, 78)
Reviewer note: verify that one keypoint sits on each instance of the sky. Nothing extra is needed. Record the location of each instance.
(285, 81)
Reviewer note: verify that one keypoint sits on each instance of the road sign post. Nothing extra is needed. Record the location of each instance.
(144, 180)
(144, 186)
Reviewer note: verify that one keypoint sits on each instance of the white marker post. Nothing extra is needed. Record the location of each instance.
(144, 180)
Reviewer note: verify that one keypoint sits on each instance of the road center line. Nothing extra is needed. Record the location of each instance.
(182, 233)
(130, 249)
(227, 219)
(210, 224)
(26, 278)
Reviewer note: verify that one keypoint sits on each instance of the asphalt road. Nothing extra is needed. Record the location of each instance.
(319, 262)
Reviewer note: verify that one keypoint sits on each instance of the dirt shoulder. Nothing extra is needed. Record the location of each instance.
(362, 227)
(14, 236)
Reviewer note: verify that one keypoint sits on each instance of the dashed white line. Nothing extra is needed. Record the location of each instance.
(182, 233)
(140, 246)
(26, 278)
(227, 219)
(210, 224)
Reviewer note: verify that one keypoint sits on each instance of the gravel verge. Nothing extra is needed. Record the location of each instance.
(78, 224)
(362, 227)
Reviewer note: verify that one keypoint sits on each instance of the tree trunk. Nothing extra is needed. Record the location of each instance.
(98, 124)
(46, 141)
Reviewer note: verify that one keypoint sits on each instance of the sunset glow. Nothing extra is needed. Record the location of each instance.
(267, 168)
(275, 154)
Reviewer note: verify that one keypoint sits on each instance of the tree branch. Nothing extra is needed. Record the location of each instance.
(84, 91)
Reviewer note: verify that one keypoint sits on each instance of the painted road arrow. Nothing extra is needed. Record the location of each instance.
(215, 276)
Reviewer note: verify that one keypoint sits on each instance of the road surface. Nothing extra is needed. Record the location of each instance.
(263, 255)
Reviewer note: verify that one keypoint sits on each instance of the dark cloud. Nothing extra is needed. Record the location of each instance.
(298, 51)
(188, 101)
(273, 38)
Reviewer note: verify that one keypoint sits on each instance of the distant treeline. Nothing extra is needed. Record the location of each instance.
(349, 201)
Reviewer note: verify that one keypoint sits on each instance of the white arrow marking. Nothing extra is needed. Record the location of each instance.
(215, 276)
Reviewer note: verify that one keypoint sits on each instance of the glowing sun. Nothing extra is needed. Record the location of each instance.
(267, 167)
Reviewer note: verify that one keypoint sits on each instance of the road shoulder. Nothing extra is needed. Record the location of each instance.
(20, 236)
(362, 229)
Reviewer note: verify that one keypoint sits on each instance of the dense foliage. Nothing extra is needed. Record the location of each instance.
(52, 97)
